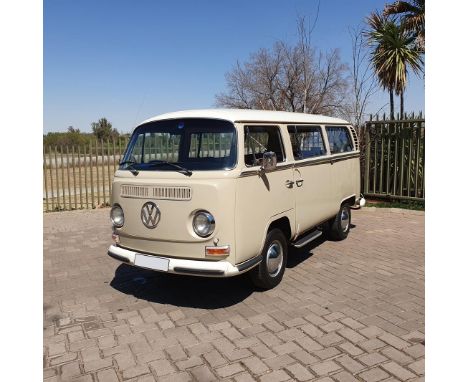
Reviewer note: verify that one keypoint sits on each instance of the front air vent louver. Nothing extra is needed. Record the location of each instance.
(172, 193)
(355, 138)
(134, 191)
(156, 192)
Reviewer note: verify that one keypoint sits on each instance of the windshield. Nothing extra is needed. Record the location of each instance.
(191, 144)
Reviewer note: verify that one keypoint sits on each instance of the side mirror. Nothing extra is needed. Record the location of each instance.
(269, 161)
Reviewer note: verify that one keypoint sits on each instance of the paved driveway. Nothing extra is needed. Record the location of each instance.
(345, 311)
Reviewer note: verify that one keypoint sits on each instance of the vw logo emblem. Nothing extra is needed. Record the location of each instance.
(150, 215)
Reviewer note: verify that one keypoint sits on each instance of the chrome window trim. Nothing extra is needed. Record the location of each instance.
(307, 162)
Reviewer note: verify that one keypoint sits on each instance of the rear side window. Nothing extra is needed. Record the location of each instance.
(306, 141)
(339, 139)
(260, 139)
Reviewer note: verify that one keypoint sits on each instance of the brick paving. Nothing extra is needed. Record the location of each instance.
(345, 311)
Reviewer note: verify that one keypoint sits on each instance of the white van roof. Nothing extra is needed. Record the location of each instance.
(249, 115)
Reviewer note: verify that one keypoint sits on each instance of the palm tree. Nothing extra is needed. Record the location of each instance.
(393, 50)
(412, 17)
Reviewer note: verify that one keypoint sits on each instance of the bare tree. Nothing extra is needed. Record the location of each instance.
(306, 52)
(363, 81)
(289, 77)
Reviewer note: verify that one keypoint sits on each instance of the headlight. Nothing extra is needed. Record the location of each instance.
(117, 216)
(203, 223)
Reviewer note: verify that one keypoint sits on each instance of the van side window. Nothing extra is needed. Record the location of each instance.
(339, 139)
(306, 141)
(260, 139)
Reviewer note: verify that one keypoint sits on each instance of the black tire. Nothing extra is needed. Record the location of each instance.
(260, 275)
(338, 228)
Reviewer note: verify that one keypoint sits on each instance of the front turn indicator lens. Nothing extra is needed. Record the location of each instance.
(217, 251)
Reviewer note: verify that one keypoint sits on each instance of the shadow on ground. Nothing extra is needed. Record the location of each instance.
(181, 290)
(195, 292)
(299, 255)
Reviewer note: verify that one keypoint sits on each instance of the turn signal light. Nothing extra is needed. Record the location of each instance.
(116, 238)
(217, 251)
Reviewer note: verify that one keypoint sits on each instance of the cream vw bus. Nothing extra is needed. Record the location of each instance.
(221, 192)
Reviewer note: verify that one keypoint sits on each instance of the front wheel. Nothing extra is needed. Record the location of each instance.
(339, 226)
(269, 272)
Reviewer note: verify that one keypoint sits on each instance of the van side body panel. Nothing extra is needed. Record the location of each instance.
(259, 201)
(346, 179)
(346, 172)
(315, 197)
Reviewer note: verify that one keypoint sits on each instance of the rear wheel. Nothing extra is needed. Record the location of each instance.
(339, 226)
(269, 272)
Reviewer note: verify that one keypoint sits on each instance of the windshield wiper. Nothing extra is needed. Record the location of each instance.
(129, 166)
(182, 170)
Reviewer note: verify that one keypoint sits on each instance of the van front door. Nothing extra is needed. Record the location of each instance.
(260, 196)
(312, 177)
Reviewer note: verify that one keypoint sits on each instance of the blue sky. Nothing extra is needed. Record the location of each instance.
(129, 60)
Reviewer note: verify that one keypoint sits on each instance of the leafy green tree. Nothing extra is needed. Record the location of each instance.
(71, 137)
(75, 137)
(72, 130)
(412, 18)
(393, 51)
(102, 129)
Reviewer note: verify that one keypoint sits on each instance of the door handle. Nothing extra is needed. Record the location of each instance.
(289, 183)
(299, 182)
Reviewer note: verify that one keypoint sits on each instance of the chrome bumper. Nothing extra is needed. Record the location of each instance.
(361, 202)
(221, 268)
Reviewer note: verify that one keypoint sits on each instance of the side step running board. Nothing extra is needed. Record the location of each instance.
(307, 239)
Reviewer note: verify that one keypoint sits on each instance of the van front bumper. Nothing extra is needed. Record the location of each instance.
(220, 268)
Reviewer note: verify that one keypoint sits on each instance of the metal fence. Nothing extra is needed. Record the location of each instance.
(394, 158)
(78, 177)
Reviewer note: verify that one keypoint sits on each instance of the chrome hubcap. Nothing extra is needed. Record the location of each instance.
(274, 258)
(344, 219)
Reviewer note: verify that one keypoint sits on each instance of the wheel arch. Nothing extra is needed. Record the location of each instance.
(284, 224)
(350, 200)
